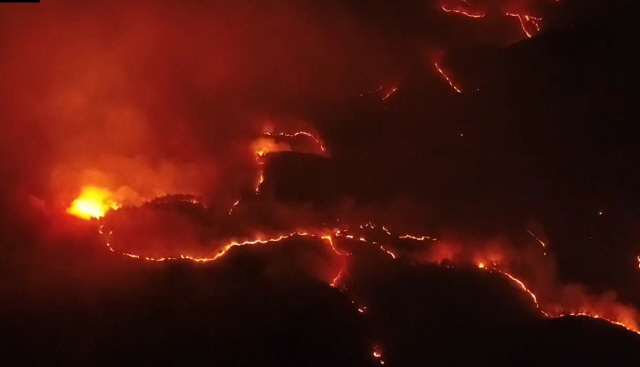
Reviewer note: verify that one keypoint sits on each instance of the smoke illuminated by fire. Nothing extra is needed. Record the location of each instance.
(95, 202)
(173, 132)
(492, 261)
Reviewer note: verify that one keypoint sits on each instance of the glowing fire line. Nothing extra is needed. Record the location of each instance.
(544, 245)
(296, 134)
(103, 198)
(329, 239)
(389, 93)
(447, 78)
(527, 18)
(462, 12)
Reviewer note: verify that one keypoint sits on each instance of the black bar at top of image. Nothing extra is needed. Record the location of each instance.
(19, 1)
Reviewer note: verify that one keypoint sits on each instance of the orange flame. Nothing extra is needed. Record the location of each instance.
(296, 134)
(447, 79)
(93, 202)
(389, 93)
(526, 20)
(462, 12)
(544, 245)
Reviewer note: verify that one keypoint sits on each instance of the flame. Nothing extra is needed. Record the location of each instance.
(296, 134)
(544, 245)
(447, 78)
(377, 354)
(389, 93)
(336, 279)
(388, 252)
(626, 322)
(598, 317)
(266, 145)
(236, 203)
(462, 12)
(260, 181)
(417, 238)
(93, 202)
(527, 20)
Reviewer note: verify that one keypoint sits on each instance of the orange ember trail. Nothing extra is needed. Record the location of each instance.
(527, 19)
(462, 12)
(447, 78)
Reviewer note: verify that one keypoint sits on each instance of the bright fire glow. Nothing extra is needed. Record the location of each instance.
(93, 202)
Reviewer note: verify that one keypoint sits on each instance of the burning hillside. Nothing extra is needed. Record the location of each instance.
(277, 183)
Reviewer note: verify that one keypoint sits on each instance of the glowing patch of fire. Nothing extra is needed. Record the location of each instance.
(93, 202)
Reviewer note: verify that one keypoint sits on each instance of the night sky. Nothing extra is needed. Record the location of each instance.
(335, 183)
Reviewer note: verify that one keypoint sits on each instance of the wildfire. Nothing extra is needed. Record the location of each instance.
(598, 317)
(377, 354)
(417, 238)
(236, 203)
(224, 250)
(527, 21)
(93, 202)
(544, 245)
(389, 93)
(447, 79)
(462, 12)
(334, 283)
(329, 240)
(388, 252)
(296, 134)
(260, 181)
